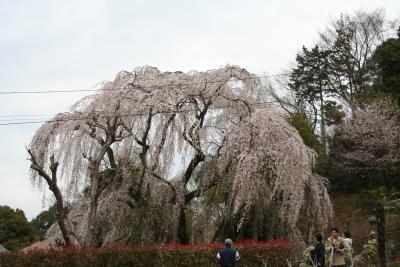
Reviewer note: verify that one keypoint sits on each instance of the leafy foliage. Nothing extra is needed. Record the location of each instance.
(386, 60)
(310, 82)
(334, 114)
(303, 126)
(15, 231)
(310, 76)
(370, 251)
(44, 220)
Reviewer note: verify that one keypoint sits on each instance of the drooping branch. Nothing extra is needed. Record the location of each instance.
(111, 158)
(170, 185)
(161, 144)
(197, 192)
(137, 195)
(193, 139)
(278, 153)
(51, 181)
(110, 132)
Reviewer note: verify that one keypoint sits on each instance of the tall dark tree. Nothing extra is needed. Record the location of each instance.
(309, 79)
(386, 63)
(15, 230)
(352, 41)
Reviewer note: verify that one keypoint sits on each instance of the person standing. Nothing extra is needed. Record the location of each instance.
(349, 243)
(336, 247)
(228, 257)
(319, 251)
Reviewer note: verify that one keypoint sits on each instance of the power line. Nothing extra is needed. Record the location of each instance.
(24, 119)
(259, 104)
(24, 115)
(114, 89)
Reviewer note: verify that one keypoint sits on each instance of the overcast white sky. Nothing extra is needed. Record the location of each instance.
(57, 45)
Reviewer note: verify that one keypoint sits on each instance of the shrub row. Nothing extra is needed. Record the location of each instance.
(253, 254)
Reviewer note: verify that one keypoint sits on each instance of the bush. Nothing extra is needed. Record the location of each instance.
(253, 254)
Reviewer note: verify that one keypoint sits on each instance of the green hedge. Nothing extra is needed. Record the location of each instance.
(252, 254)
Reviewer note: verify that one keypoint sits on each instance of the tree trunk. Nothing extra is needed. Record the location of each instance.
(61, 216)
(225, 230)
(255, 225)
(179, 231)
(91, 231)
(94, 190)
(183, 235)
(380, 224)
(323, 129)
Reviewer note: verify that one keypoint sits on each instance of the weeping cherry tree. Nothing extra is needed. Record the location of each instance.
(164, 127)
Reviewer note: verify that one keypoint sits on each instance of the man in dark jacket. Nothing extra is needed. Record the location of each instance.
(319, 252)
(228, 256)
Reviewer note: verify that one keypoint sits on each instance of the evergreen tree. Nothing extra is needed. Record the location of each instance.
(352, 41)
(309, 80)
(15, 231)
(386, 62)
(44, 220)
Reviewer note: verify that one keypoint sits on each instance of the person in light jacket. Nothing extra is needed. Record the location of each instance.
(349, 243)
(336, 248)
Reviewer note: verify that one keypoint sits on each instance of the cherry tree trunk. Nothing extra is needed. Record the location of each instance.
(60, 216)
(91, 234)
(183, 235)
(180, 234)
(323, 127)
(91, 231)
(255, 226)
(380, 224)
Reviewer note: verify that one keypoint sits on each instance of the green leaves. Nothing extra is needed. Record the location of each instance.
(386, 63)
(303, 126)
(310, 76)
(15, 230)
(334, 114)
(44, 220)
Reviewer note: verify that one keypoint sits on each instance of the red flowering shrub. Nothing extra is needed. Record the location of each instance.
(170, 255)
